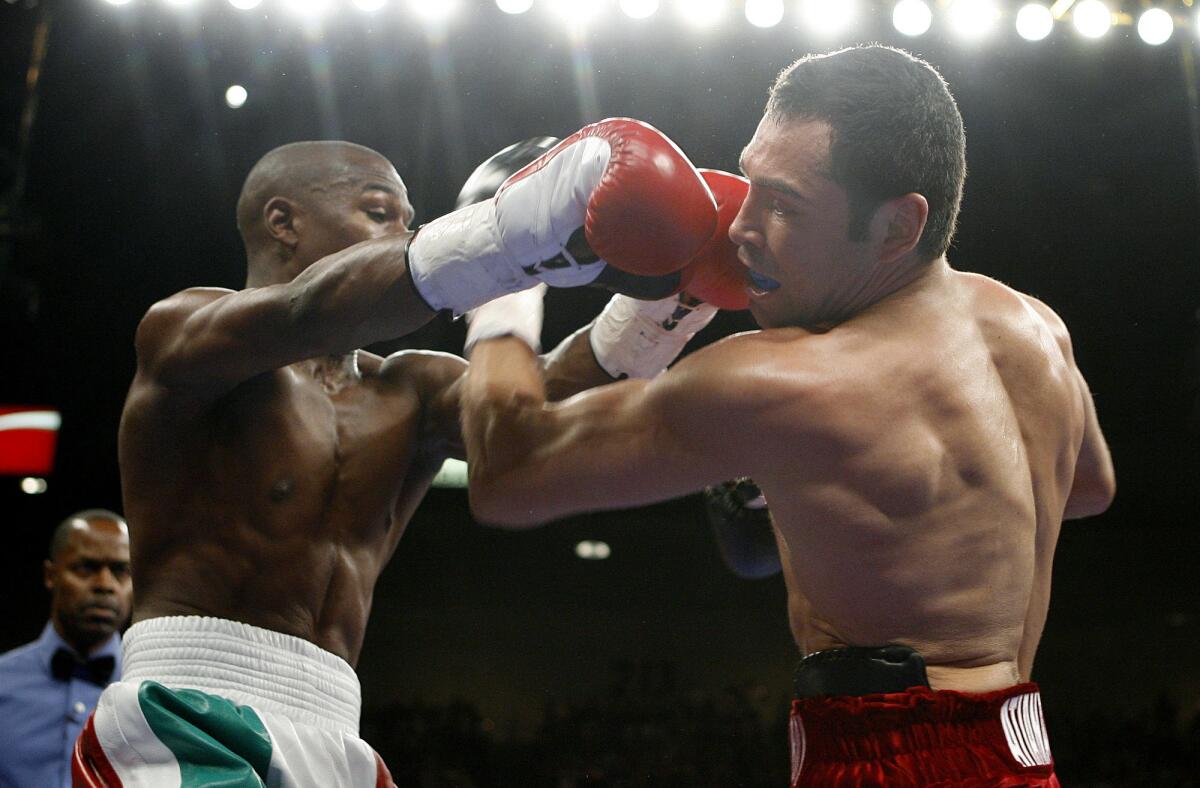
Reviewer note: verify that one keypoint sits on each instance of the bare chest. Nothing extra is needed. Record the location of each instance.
(290, 443)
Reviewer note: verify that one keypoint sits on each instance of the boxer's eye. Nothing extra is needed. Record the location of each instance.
(780, 210)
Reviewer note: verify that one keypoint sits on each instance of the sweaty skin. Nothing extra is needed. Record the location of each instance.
(919, 433)
(268, 468)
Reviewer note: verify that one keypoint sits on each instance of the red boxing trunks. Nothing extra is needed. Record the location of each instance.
(922, 737)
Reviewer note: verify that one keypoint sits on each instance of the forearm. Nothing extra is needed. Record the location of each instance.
(502, 394)
(571, 367)
(357, 296)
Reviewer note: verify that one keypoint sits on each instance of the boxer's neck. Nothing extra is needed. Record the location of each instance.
(335, 373)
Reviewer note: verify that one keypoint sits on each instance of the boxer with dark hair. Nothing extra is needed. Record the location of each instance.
(919, 433)
(269, 467)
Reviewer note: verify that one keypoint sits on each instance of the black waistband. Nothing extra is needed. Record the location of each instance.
(860, 670)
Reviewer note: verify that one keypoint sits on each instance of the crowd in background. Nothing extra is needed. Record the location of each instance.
(674, 737)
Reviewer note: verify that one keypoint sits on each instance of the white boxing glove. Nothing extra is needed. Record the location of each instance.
(640, 339)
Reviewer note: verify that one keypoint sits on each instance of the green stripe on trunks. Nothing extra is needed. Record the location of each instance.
(216, 742)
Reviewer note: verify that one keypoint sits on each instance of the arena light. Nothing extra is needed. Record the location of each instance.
(309, 9)
(369, 6)
(912, 17)
(34, 485)
(593, 550)
(1155, 26)
(117, 2)
(245, 5)
(639, 9)
(1091, 18)
(235, 96)
(576, 13)
(514, 6)
(828, 17)
(1034, 22)
(433, 10)
(701, 13)
(973, 19)
(764, 13)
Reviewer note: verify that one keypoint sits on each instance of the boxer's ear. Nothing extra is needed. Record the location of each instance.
(279, 217)
(898, 224)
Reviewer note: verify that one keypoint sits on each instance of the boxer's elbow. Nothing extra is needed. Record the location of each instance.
(1091, 496)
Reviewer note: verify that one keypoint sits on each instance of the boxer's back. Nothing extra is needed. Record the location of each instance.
(278, 503)
(942, 446)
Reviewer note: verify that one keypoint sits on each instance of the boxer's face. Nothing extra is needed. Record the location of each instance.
(793, 229)
(89, 583)
(365, 199)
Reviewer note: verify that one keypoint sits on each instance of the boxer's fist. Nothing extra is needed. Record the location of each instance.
(617, 192)
(715, 275)
(516, 314)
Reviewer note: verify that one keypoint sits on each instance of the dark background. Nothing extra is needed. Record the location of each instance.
(1083, 159)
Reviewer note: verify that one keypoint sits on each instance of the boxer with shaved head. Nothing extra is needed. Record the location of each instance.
(269, 467)
(919, 434)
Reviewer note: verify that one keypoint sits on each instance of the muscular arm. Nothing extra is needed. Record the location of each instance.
(209, 340)
(1095, 482)
(571, 367)
(626, 444)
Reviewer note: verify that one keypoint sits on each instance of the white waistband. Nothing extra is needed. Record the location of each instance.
(270, 671)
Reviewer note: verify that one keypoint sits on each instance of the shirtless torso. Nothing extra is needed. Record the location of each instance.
(918, 446)
(938, 461)
(278, 503)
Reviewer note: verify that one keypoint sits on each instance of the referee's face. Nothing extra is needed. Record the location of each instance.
(90, 584)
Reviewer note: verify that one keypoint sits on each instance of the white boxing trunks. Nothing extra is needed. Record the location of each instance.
(207, 702)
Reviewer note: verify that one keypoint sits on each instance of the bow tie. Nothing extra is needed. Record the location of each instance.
(64, 665)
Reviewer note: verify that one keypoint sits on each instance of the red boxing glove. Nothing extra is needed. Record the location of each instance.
(616, 192)
(715, 275)
(646, 205)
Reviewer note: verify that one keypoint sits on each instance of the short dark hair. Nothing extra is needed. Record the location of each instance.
(895, 129)
(62, 532)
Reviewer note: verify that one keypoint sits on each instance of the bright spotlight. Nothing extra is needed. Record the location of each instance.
(593, 550)
(117, 2)
(639, 9)
(827, 17)
(764, 13)
(307, 8)
(577, 13)
(433, 10)
(514, 6)
(235, 96)
(1092, 18)
(1034, 22)
(973, 18)
(34, 485)
(701, 13)
(1155, 26)
(911, 17)
(245, 5)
